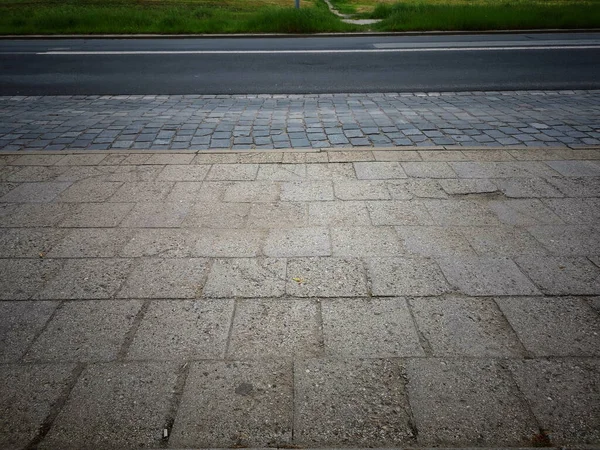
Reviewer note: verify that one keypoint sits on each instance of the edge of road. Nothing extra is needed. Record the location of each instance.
(575, 148)
(292, 35)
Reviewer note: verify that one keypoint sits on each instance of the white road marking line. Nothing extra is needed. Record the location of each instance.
(283, 52)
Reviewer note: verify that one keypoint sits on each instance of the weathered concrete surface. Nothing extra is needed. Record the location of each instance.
(320, 299)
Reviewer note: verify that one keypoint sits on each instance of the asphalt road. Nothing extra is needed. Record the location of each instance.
(300, 65)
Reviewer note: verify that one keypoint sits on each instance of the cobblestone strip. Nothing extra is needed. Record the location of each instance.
(469, 119)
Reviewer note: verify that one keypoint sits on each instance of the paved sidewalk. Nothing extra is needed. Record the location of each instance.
(316, 299)
(471, 119)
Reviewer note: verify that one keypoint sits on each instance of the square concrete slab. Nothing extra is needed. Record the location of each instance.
(434, 241)
(27, 397)
(564, 397)
(232, 172)
(352, 402)
(467, 401)
(21, 278)
(28, 242)
(35, 192)
(486, 276)
(91, 243)
(326, 277)
(87, 279)
(277, 215)
(237, 403)
(463, 326)
(217, 215)
(379, 170)
(156, 215)
(306, 191)
(369, 328)
(292, 242)
(165, 278)
(338, 214)
(406, 276)
(20, 323)
(115, 405)
(239, 277)
(190, 329)
(283, 328)
(554, 326)
(399, 212)
(365, 241)
(96, 215)
(562, 275)
(85, 331)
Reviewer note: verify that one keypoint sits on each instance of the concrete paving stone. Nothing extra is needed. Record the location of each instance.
(361, 190)
(502, 169)
(258, 277)
(415, 187)
(486, 275)
(351, 402)
(226, 243)
(86, 279)
(165, 278)
(81, 173)
(524, 212)
(568, 240)
(562, 275)
(330, 171)
(428, 169)
(277, 215)
(390, 155)
(34, 214)
(28, 242)
(577, 211)
(195, 191)
(446, 399)
(338, 214)
(326, 277)
(217, 215)
(563, 395)
(231, 403)
(365, 242)
(303, 191)
(553, 326)
(85, 331)
(398, 212)
(89, 190)
(20, 323)
(233, 172)
(577, 186)
(161, 242)
(28, 396)
(183, 329)
(156, 215)
(503, 241)
(575, 168)
(464, 186)
(350, 156)
(434, 241)
(526, 187)
(154, 191)
(90, 243)
(42, 192)
(405, 276)
(380, 170)
(97, 215)
(37, 160)
(286, 328)
(252, 191)
(32, 174)
(293, 242)
(442, 155)
(21, 278)
(137, 394)
(183, 172)
(595, 301)
(260, 158)
(465, 327)
(81, 160)
(130, 173)
(369, 328)
(281, 172)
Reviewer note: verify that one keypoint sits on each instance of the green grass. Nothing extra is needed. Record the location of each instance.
(178, 17)
(421, 15)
